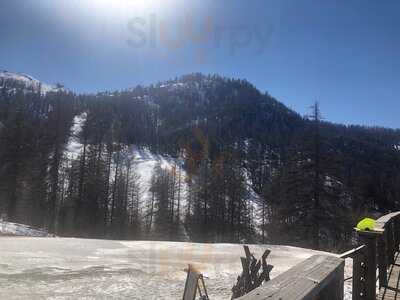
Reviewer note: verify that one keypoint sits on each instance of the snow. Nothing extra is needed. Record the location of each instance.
(74, 147)
(142, 158)
(60, 268)
(145, 161)
(8, 228)
(29, 82)
(172, 86)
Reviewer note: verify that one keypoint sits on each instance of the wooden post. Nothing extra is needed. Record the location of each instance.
(397, 232)
(357, 275)
(192, 281)
(358, 255)
(382, 261)
(369, 239)
(192, 285)
(390, 243)
(245, 274)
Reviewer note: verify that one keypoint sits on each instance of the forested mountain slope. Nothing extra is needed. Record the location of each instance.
(242, 166)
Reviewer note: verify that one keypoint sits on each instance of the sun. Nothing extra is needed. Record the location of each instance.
(125, 6)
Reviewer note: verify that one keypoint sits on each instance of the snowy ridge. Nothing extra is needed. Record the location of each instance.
(7, 228)
(29, 83)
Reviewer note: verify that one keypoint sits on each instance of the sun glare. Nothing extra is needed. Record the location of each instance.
(124, 6)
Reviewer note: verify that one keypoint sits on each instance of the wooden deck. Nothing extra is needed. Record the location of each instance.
(319, 277)
(392, 291)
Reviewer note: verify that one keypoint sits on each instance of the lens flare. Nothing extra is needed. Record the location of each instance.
(124, 6)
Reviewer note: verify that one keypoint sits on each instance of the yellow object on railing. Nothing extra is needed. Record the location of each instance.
(366, 224)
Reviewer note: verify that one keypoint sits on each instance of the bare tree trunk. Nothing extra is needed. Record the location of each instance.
(179, 196)
(107, 190)
(151, 212)
(317, 174)
(125, 200)
(54, 174)
(114, 192)
(263, 221)
(78, 205)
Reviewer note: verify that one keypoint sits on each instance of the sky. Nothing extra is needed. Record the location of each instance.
(344, 54)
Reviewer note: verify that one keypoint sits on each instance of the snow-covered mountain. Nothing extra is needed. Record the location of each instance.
(13, 81)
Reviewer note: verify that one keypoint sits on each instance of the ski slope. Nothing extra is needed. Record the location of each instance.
(60, 268)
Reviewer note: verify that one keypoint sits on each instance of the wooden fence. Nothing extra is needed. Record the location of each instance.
(376, 253)
(322, 276)
(319, 277)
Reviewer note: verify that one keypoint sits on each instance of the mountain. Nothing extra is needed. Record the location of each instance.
(13, 82)
(241, 165)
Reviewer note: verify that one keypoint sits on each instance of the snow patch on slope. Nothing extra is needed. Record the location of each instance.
(145, 161)
(74, 147)
(8, 228)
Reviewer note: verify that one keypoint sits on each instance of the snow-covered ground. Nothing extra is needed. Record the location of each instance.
(8, 228)
(59, 268)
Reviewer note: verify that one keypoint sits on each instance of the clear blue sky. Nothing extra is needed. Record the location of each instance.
(345, 54)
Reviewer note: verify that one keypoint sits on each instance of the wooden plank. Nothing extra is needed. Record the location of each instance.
(381, 222)
(375, 232)
(305, 281)
(248, 253)
(388, 216)
(265, 255)
(204, 287)
(353, 252)
(191, 285)
(246, 273)
(266, 268)
(334, 289)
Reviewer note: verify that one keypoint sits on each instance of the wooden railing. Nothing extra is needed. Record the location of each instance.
(319, 277)
(322, 276)
(377, 252)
